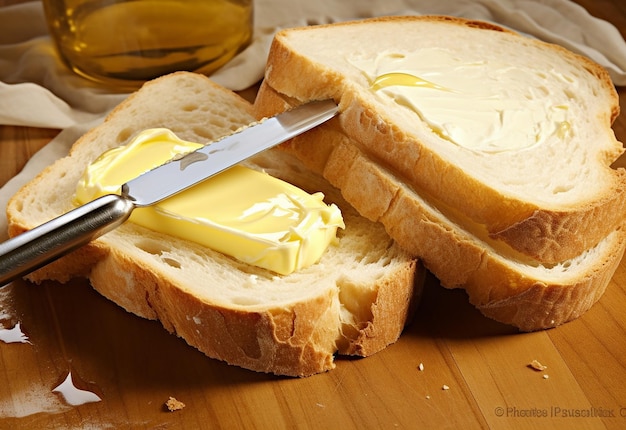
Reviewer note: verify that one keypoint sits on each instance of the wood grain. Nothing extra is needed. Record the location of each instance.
(17, 145)
(135, 366)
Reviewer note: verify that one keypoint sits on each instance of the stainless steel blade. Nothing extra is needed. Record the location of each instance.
(178, 175)
(47, 242)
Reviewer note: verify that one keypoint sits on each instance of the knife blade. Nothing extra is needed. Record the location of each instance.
(43, 244)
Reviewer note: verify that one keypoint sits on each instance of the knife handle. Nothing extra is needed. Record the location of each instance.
(43, 244)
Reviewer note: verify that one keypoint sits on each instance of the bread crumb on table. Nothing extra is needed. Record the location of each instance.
(420, 367)
(535, 365)
(445, 387)
(174, 404)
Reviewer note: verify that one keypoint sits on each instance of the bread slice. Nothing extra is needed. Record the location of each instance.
(503, 284)
(551, 201)
(355, 301)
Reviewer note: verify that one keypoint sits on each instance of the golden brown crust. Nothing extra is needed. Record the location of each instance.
(261, 341)
(390, 312)
(495, 285)
(548, 234)
(297, 340)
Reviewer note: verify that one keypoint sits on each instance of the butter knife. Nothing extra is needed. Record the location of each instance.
(43, 244)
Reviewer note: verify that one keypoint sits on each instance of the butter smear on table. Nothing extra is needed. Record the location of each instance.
(241, 212)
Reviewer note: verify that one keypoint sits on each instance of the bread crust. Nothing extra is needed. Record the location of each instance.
(296, 340)
(265, 341)
(547, 232)
(132, 265)
(502, 287)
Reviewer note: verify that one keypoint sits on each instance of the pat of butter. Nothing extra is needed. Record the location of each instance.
(476, 104)
(244, 213)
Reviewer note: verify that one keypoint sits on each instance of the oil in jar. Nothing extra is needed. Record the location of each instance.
(124, 43)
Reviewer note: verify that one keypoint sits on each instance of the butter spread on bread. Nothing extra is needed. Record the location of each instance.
(483, 105)
(244, 213)
(533, 235)
(549, 201)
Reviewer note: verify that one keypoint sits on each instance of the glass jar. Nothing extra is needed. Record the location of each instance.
(124, 43)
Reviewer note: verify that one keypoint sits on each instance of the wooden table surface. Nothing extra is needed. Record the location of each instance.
(135, 366)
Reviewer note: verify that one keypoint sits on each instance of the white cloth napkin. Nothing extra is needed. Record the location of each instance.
(37, 90)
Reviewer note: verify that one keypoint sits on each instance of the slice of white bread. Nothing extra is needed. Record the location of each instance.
(355, 301)
(502, 283)
(550, 202)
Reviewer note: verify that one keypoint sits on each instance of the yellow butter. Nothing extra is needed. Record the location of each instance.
(241, 212)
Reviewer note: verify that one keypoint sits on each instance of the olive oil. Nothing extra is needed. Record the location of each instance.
(126, 42)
